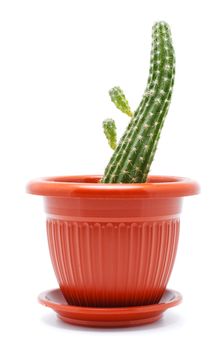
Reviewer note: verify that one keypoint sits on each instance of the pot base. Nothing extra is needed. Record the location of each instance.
(108, 317)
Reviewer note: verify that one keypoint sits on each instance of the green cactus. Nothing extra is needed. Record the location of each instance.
(118, 98)
(131, 161)
(109, 128)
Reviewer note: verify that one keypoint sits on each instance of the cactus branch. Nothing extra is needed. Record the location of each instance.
(109, 128)
(134, 154)
(118, 98)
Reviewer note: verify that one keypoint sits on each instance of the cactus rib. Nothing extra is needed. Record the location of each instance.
(134, 154)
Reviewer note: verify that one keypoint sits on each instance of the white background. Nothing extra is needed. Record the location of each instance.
(58, 59)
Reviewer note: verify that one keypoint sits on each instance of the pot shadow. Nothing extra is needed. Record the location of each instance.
(168, 320)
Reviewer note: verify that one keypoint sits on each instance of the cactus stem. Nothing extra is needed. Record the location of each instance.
(118, 98)
(144, 129)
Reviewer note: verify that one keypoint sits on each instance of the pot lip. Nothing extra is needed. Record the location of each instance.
(157, 186)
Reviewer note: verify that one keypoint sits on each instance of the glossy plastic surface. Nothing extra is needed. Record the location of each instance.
(113, 245)
(89, 186)
(108, 317)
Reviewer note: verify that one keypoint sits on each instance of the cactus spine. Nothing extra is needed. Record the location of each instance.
(132, 158)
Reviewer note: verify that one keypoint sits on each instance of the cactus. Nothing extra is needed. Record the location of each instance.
(109, 128)
(118, 98)
(132, 158)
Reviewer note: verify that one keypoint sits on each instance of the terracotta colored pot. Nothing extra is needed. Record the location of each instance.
(112, 244)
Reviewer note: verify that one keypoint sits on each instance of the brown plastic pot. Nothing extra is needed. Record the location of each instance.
(112, 244)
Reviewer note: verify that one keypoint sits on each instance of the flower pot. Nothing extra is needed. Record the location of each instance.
(112, 244)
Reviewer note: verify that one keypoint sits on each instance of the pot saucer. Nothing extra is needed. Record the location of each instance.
(108, 317)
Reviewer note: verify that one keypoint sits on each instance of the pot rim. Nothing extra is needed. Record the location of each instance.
(157, 186)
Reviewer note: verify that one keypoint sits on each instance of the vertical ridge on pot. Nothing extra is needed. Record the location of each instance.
(69, 244)
(160, 253)
(175, 228)
(142, 256)
(170, 240)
